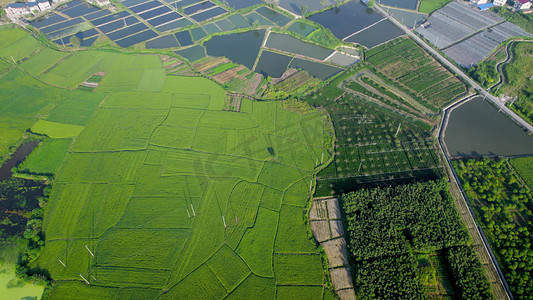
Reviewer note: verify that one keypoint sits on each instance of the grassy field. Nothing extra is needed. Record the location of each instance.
(428, 6)
(524, 167)
(404, 61)
(56, 130)
(174, 196)
(517, 75)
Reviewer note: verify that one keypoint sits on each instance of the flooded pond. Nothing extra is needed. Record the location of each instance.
(272, 64)
(477, 128)
(241, 48)
(346, 19)
(377, 34)
(294, 45)
(193, 53)
(17, 158)
(318, 70)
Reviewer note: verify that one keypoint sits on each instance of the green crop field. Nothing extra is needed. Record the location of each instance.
(16, 44)
(56, 130)
(43, 60)
(47, 158)
(428, 6)
(406, 62)
(23, 100)
(174, 196)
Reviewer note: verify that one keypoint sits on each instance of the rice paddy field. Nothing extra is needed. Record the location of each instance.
(162, 193)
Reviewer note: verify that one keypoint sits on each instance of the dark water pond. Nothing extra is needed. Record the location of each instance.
(184, 38)
(346, 19)
(208, 14)
(17, 158)
(145, 6)
(315, 69)
(272, 64)
(164, 19)
(273, 15)
(407, 4)
(197, 7)
(476, 128)
(241, 48)
(174, 25)
(238, 4)
(154, 12)
(193, 53)
(294, 45)
(47, 20)
(376, 34)
(80, 10)
(167, 41)
(137, 38)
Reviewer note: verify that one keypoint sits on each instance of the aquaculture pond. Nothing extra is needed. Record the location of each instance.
(295, 6)
(408, 18)
(193, 53)
(476, 128)
(315, 69)
(294, 45)
(346, 19)
(238, 4)
(407, 4)
(272, 64)
(376, 34)
(241, 48)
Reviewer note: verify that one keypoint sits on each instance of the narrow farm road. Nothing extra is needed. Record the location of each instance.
(458, 71)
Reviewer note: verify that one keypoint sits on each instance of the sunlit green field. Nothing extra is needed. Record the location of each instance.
(163, 193)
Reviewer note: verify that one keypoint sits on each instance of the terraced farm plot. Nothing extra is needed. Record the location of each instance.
(405, 62)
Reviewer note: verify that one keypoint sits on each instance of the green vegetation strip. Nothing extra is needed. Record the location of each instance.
(502, 204)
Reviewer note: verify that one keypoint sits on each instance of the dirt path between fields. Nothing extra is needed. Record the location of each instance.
(326, 224)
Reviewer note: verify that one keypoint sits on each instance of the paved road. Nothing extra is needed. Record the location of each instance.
(458, 71)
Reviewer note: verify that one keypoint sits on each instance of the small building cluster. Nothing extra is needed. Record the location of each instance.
(24, 8)
(518, 4)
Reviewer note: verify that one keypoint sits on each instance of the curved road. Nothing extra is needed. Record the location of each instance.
(458, 71)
